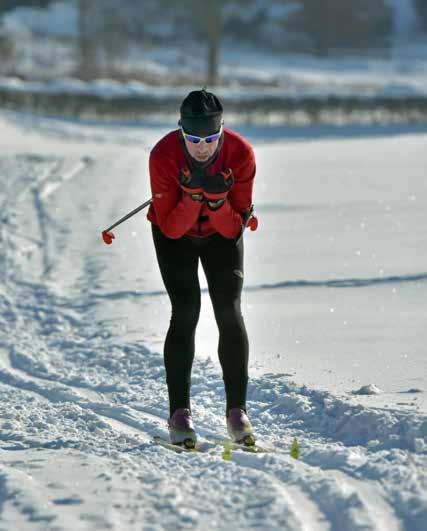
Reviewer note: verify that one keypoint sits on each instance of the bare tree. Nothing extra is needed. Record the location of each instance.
(8, 53)
(86, 44)
(212, 23)
(112, 35)
(421, 7)
(206, 23)
(102, 35)
(335, 24)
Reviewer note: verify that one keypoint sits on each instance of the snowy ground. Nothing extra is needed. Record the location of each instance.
(334, 301)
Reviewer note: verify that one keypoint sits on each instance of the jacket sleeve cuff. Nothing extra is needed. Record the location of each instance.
(192, 191)
(210, 196)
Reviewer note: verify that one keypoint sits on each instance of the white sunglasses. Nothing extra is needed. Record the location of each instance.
(197, 139)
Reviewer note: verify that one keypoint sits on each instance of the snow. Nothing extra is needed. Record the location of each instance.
(368, 390)
(291, 76)
(333, 303)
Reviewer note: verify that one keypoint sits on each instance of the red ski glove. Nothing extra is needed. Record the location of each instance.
(216, 187)
(191, 182)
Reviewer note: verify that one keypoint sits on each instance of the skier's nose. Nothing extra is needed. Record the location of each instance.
(202, 150)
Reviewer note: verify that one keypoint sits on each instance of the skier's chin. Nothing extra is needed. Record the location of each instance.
(201, 158)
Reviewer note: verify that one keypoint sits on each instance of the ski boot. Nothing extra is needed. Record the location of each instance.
(181, 429)
(239, 427)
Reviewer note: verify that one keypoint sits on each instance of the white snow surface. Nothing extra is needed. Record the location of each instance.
(334, 303)
(246, 73)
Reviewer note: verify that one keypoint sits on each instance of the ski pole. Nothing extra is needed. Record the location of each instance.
(249, 220)
(108, 236)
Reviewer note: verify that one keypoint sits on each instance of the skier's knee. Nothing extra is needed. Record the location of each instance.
(228, 315)
(185, 317)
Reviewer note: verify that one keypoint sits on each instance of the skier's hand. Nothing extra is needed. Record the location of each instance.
(216, 187)
(191, 182)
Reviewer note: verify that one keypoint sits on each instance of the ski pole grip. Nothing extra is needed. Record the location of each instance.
(108, 237)
(253, 223)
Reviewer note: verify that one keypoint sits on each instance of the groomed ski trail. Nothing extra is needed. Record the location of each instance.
(83, 391)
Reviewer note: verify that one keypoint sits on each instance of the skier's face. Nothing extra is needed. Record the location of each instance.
(201, 151)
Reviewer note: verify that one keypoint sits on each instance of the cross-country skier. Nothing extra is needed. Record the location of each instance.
(202, 176)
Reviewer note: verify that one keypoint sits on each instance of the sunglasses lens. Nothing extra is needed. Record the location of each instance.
(212, 138)
(197, 139)
(192, 139)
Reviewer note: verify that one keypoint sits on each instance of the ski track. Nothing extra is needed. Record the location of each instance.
(289, 500)
(68, 385)
(22, 375)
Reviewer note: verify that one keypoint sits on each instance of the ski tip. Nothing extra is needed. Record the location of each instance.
(177, 447)
(248, 440)
(189, 444)
(295, 450)
(228, 450)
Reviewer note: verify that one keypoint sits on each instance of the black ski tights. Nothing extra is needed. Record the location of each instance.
(222, 261)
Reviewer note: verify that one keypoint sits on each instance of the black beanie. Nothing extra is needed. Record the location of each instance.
(201, 113)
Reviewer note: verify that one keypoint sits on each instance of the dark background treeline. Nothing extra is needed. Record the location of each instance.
(107, 28)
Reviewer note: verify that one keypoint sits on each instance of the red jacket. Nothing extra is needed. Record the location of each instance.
(175, 212)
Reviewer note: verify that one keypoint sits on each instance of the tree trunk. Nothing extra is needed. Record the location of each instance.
(86, 46)
(213, 31)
